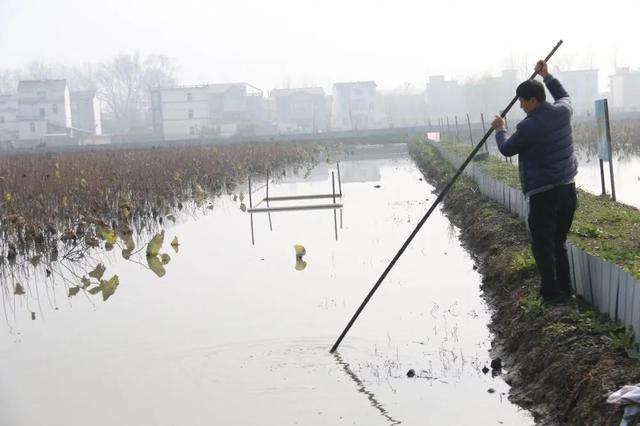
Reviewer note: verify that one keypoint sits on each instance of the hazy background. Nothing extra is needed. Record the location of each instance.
(301, 43)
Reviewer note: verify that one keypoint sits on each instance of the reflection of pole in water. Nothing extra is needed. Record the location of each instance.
(253, 241)
(362, 389)
(340, 191)
(333, 191)
(268, 213)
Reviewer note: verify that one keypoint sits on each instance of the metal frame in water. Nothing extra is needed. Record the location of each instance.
(267, 199)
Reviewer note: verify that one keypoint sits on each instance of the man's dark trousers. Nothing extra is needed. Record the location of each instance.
(550, 216)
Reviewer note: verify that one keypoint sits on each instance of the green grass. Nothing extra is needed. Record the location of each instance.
(522, 261)
(601, 227)
(532, 302)
(609, 230)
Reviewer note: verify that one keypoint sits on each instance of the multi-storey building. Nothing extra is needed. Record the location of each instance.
(625, 90)
(44, 107)
(354, 106)
(8, 118)
(212, 109)
(85, 112)
(582, 86)
(299, 110)
(444, 97)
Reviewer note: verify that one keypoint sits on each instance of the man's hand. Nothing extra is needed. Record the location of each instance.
(541, 68)
(497, 123)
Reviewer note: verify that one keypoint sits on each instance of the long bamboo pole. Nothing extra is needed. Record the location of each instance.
(431, 209)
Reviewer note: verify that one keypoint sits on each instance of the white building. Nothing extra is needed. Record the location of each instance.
(403, 109)
(299, 110)
(211, 109)
(44, 109)
(85, 112)
(8, 118)
(582, 86)
(180, 112)
(625, 90)
(354, 106)
(444, 98)
(488, 95)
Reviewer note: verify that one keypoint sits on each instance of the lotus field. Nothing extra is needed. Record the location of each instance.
(93, 198)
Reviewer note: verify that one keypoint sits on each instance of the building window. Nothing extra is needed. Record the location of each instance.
(192, 130)
(41, 95)
(42, 112)
(357, 91)
(54, 107)
(190, 113)
(189, 97)
(1, 119)
(32, 127)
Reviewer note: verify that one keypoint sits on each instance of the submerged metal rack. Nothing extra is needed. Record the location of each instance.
(269, 209)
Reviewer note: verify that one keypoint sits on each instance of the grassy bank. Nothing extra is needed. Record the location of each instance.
(601, 227)
(561, 361)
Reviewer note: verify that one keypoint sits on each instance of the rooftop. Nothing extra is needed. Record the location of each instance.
(299, 90)
(27, 85)
(355, 83)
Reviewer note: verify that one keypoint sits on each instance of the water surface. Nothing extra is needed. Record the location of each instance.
(234, 334)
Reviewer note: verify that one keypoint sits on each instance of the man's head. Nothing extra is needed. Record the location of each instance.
(530, 94)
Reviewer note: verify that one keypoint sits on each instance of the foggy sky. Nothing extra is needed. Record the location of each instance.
(300, 42)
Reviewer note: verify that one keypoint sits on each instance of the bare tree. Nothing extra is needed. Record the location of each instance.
(124, 83)
(84, 77)
(159, 71)
(120, 84)
(9, 81)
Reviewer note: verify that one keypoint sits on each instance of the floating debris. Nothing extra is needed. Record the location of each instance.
(411, 373)
(175, 243)
(300, 251)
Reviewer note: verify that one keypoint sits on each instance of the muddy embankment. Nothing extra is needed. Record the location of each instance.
(561, 361)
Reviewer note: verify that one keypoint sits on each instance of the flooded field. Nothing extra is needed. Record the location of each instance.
(626, 172)
(235, 333)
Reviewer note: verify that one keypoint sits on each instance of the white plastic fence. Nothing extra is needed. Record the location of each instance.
(605, 285)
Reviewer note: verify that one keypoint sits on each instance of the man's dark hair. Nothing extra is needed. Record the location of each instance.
(531, 89)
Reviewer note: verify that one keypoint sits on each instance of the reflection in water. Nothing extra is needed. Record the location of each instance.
(300, 252)
(301, 201)
(75, 271)
(361, 388)
(213, 296)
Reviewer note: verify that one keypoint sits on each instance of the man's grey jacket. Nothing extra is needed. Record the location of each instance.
(544, 143)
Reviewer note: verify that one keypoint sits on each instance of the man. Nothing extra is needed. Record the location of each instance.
(547, 165)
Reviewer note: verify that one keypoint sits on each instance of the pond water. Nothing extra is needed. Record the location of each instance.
(626, 173)
(234, 334)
